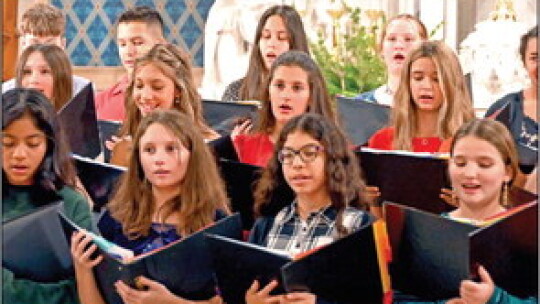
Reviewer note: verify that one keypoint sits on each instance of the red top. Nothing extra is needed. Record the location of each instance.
(382, 140)
(110, 102)
(255, 149)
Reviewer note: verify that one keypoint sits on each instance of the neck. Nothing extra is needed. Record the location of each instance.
(275, 133)
(479, 213)
(530, 94)
(393, 82)
(427, 124)
(308, 204)
(161, 196)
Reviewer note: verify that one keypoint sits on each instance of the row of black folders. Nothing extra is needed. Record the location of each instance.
(430, 256)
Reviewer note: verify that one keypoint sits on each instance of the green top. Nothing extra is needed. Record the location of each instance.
(16, 290)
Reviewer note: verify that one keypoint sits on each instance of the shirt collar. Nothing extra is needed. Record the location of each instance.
(327, 214)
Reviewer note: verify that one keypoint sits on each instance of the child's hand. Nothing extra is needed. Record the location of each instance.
(256, 296)
(448, 196)
(81, 252)
(300, 298)
(110, 144)
(456, 301)
(153, 293)
(241, 128)
(477, 293)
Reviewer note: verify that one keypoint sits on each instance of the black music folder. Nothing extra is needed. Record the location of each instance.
(348, 270)
(107, 128)
(222, 116)
(223, 147)
(99, 179)
(240, 182)
(361, 119)
(32, 248)
(432, 254)
(184, 266)
(78, 118)
(412, 179)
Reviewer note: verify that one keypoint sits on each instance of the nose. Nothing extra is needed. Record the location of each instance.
(297, 161)
(130, 49)
(469, 170)
(20, 152)
(146, 93)
(34, 77)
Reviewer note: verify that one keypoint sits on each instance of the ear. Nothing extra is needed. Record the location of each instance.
(508, 174)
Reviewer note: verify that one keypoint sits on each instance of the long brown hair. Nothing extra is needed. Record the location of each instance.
(319, 99)
(61, 71)
(253, 83)
(202, 191)
(174, 64)
(456, 107)
(342, 171)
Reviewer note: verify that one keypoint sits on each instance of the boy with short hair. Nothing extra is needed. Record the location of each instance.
(138, 30)
(43, 23)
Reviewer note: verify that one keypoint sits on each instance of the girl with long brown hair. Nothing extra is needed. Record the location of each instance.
(171, 190)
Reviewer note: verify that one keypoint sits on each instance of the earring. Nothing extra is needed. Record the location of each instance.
(177, 100)
(504, 195)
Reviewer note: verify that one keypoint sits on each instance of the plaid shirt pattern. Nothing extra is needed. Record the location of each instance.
(292, 235)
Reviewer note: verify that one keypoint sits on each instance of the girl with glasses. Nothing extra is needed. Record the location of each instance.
(311, 157)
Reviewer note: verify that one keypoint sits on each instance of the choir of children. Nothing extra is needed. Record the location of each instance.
(172, 187)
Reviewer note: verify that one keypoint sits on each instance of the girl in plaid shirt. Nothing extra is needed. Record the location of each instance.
(312, 157)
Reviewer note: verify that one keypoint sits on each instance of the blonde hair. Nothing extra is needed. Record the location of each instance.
(43, 19)
(420, 27)
(174, 64)
(61, 71)
(202, 191)
(456, 107)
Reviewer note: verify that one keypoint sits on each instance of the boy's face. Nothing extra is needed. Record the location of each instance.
(28, 39)
(134, 40)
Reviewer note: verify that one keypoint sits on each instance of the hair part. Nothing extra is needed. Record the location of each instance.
(176, 65)
(319, 99)
(43, 19)
(56, 169)
(61, 70)
(456, 107)
(253, 84)
(342, 171)
(202, 192)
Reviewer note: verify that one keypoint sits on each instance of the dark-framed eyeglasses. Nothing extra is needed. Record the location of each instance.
(307, 153)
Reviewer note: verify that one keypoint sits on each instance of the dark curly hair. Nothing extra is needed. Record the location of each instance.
(343, 174)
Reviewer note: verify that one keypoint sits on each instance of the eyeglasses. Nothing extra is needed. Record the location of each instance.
(307, 153)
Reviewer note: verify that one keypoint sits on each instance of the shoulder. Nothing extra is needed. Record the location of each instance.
(367, 96)
(260, 229)
(514, 97)
(232, 92)
(382, 139)
(76, 206)
(8, 85)
(354, 218)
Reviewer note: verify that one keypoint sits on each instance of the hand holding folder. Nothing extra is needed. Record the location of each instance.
(432, 254)
(184, 266)
(348, 270)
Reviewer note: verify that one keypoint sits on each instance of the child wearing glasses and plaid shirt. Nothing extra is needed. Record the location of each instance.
(312, 157)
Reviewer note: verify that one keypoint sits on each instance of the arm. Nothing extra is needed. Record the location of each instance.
(86, 282)
(25, 291)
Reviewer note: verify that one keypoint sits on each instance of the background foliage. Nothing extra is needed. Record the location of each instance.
(354, 66)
